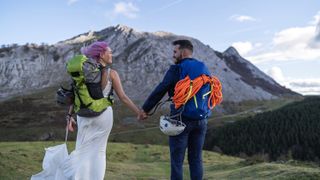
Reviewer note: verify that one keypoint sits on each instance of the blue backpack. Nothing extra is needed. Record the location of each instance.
(197, 107)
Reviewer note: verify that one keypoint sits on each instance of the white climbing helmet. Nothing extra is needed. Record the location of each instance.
(171, 127)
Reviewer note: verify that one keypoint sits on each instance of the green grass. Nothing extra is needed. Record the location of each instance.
(19, 160)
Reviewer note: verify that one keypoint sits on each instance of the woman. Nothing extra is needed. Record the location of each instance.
(88, 160)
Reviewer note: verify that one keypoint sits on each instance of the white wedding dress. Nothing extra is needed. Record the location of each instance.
(88, 160)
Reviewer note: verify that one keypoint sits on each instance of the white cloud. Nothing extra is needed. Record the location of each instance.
(305, 86)
(257, 45)
(242, 18)
(313, 83)
(243, 47)
(276, 73)
(300, 35)
(296, 43)
(70, 2)
(316, 41)
(128, 10)
(316, 19)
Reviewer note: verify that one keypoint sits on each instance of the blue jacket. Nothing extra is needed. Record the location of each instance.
(188, 66)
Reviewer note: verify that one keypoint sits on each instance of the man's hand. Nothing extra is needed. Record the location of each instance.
(142, 115)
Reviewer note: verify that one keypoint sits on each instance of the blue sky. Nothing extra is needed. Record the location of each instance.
(281, 37)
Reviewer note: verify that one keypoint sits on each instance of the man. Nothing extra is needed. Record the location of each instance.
(193, 135)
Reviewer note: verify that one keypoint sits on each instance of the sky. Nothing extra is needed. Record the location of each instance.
(280, 37)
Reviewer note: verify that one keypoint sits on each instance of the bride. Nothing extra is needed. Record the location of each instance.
(88, 160)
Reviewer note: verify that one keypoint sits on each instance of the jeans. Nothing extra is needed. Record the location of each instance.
(192, 138)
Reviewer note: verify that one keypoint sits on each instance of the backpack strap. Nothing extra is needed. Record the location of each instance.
(82, 105)
(108, 74)
(110, 93)
(109, 81)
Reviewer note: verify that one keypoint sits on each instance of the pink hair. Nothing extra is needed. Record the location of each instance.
(94, 50)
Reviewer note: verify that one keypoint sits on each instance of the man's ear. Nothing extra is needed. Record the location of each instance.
(183, 52)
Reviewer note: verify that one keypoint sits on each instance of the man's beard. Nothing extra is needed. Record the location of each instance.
(177, 59)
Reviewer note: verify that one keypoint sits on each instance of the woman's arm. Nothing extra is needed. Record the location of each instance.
(70, 110)
(117, 86)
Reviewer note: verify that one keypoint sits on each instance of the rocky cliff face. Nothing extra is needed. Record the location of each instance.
(141, 58)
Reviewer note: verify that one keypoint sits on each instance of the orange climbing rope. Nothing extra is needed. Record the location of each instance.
(186, 88)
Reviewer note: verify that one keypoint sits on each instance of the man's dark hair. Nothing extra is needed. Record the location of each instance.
(183, 44)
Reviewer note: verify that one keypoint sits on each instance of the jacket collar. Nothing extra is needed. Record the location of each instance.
(185, 59)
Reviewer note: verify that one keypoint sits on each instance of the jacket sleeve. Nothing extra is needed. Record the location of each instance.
(168, 83)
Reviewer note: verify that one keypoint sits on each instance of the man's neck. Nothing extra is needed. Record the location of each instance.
(186, 57)
(183, 59)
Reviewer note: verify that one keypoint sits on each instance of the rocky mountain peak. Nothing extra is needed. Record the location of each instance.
(231, 51)
(123, 28)
(141, 58)
(126, 31)
(163, 34)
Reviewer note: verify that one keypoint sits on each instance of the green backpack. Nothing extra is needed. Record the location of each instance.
(84, 104)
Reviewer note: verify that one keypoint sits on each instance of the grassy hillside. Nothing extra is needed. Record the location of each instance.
(36, 116)
(19, 160)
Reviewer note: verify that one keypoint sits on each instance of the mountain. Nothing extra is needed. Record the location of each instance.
(141, 58)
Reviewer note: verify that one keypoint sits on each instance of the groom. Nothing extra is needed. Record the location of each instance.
(192, 138)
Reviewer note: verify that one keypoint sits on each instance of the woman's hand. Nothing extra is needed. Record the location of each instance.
(70, 123)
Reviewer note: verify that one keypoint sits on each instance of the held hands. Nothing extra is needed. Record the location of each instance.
(70, 123)
(142, 115)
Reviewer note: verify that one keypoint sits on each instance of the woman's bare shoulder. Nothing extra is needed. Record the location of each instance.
(113, 73)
